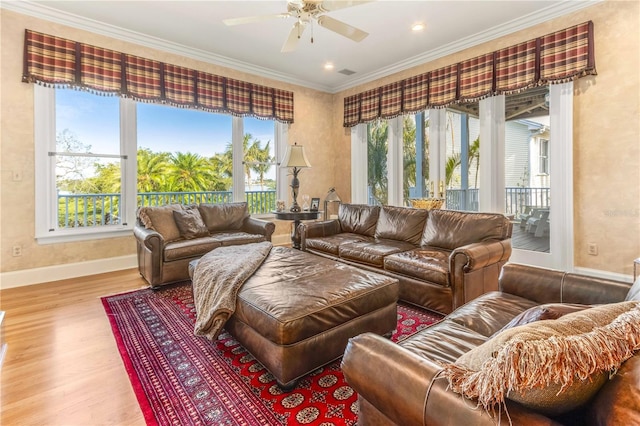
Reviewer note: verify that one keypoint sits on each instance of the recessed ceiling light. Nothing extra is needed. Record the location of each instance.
(328, 66)
(419, 26)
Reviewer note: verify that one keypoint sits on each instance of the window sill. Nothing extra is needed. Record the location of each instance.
(73, 235)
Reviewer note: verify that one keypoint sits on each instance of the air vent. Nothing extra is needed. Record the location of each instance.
(346, 71)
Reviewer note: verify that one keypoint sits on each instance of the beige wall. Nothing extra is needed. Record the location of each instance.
(311, 128)
(606, 132)
(606, 138)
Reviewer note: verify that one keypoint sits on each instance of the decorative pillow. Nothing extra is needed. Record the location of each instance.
(358, 218)
(190, 223)
(401, 224)
(551, 366)
(160, 219)
(550, 311)
(224, 217)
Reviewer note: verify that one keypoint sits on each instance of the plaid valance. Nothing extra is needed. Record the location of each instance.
(555, 58)
(58, 62)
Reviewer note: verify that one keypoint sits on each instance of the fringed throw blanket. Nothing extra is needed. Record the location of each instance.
(216, 280)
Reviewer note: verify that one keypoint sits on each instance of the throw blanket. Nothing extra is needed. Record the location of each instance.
(216, 280)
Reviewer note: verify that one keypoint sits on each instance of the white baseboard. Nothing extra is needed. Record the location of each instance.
(62, 272)
(603, 274)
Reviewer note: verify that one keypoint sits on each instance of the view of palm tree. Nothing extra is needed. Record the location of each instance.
(90, 187)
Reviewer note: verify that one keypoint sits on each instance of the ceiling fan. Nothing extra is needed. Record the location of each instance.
(305, 12)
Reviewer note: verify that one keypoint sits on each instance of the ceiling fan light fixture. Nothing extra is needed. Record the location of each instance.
(308, 12)
(328, 66)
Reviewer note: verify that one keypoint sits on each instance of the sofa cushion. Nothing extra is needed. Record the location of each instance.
(160, 219)
(190, 224)
(445, 341)
(488, 313)
(184, 249)
(372, 252)
(224, 217)
(452, 229)
(332, 243)
(401, 223)
(428, 264)
(235, 238)
(551, 366)
(358, 218)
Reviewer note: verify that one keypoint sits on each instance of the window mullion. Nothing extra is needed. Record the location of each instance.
(237, 136)
(394, 162)
(359, 165)
(128, 162)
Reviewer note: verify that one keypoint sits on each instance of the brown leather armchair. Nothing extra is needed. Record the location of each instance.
(169, 237)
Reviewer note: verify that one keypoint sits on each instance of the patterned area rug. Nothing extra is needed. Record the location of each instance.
(181, 379)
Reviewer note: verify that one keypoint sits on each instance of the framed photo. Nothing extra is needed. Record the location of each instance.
(315, 203)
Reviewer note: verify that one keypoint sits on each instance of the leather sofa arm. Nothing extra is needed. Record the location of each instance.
(475, 269)
(323, 228)
(149, 238)
(254, 225)
(479, 255)
(377, 368)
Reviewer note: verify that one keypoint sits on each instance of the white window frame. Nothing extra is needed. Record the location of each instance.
(46, 230)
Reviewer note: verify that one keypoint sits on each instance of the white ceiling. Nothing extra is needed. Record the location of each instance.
(195, 29)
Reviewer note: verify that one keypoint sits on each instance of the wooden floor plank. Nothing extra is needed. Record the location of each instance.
(62, 365)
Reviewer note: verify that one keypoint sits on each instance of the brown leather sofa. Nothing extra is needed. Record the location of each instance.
(169, 237)
(403, 384)
(442, 258)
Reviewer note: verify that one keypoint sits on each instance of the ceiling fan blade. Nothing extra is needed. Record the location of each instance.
(329, 5)
(251, 19)
(294, 37)
(341, 28)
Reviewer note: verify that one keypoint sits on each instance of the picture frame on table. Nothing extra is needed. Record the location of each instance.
(315, 204)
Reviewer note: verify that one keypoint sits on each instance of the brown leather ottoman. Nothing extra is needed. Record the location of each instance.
(297, 312)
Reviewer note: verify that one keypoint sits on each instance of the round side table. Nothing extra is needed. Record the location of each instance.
(296, 217)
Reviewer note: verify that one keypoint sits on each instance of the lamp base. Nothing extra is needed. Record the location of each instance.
(295, 208)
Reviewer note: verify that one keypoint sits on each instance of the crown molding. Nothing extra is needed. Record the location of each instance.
(551, 12)
(26, 7)
(44, 12)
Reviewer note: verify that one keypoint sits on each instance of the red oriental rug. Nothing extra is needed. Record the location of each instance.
(183, 379)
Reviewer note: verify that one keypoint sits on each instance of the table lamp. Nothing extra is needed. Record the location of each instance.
(295, 158)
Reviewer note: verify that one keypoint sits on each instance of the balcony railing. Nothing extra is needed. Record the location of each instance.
(87, 210)
(517, 199)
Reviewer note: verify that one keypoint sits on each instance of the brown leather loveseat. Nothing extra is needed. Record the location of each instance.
(169, 237)
(442, 258)
(406, 383)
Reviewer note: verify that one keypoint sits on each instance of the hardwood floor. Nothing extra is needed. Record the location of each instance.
(62, 366)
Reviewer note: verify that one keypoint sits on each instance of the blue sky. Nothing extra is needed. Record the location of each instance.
(94, 119)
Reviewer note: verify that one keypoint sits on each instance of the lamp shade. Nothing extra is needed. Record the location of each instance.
(295, 157)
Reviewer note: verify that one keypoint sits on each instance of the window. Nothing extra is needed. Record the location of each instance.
(511, 132)
(82, 165)
(462, 163)
(544, 156)
(98, 158)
